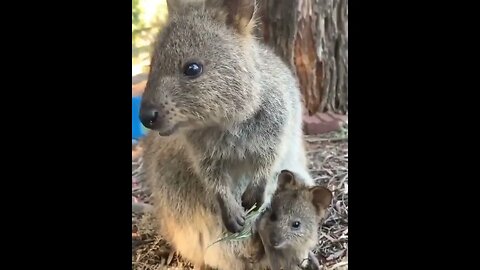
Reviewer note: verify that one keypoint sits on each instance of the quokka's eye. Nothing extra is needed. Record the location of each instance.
(192, 69)
(296, 224)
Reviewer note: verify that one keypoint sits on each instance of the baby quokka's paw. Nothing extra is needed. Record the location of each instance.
(313, 263)
(233, 216)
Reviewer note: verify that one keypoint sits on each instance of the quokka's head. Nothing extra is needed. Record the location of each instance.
(202, 68)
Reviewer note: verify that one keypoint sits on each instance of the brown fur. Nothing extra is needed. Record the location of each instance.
(230, 129)
(275, 238)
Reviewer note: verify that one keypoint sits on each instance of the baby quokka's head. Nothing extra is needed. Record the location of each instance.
(202, 68)
(295, 213)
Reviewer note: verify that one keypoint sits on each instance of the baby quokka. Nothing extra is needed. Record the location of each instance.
(287, 231)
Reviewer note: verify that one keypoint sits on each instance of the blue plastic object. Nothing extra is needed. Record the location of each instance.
(138, 130)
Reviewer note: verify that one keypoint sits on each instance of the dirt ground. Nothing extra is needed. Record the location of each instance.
(328, 156)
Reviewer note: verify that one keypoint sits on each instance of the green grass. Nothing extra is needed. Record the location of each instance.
(247, 229)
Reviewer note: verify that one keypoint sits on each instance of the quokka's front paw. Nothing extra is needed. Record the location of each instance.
(253, 195)
(233, 216)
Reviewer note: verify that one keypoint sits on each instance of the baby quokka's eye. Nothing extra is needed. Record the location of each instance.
(296, 224)
(192, 69)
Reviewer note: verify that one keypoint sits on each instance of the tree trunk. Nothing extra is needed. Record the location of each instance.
(312, 37)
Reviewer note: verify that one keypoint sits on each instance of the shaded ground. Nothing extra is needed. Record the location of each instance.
(328, 155)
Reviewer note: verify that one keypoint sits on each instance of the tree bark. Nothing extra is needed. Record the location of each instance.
(312, 37)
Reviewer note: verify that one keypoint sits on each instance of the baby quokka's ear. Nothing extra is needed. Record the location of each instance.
(287, 180)
(237, 13)
(321, 198)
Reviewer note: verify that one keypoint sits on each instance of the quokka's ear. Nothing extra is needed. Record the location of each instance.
(240, 14)
(287, 180)
(321, 198)
(176, 5)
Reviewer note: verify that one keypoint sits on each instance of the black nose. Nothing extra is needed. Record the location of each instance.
(274, 239)
(149, 116)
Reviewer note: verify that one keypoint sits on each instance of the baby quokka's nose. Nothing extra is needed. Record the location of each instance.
(150, 117)
(276, 241)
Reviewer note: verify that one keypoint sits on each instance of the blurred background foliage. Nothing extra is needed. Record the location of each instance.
(148, 17)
